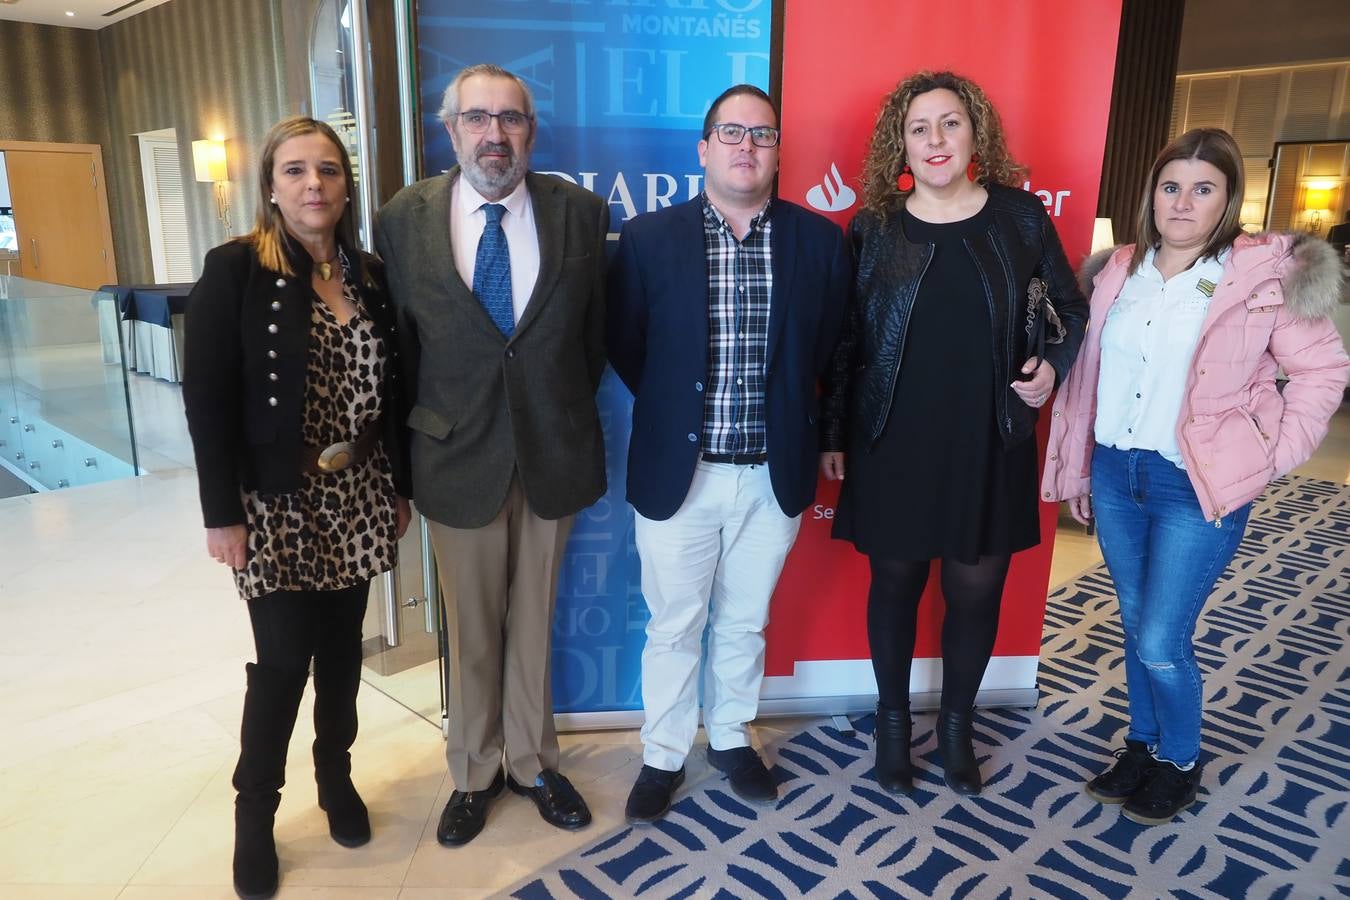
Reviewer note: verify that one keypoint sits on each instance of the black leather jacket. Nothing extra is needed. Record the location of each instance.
(1020, 245)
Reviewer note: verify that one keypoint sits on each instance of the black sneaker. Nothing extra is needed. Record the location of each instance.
(1167, 792)
(1133, 765)
(650, 798)
(750, 780)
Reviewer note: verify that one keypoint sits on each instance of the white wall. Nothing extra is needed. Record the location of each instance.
(4, 183)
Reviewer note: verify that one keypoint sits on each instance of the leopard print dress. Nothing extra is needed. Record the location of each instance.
(339, 528)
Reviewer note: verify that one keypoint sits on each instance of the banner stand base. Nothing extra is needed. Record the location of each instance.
(926, 701)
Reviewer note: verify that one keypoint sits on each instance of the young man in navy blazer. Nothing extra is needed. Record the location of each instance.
(722, 312)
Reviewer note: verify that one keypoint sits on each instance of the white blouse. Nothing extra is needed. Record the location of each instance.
(1147, 344)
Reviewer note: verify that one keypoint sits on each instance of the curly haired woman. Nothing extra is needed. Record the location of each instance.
(933, 394)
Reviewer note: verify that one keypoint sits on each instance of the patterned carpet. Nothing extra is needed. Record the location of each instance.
(1272, 820)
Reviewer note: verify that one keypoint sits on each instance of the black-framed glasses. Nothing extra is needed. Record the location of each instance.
(732, 133)
(477, 121)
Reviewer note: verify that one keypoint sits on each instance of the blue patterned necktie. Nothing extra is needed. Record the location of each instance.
(492, 270)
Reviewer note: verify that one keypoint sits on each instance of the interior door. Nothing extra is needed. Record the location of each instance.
(60, 216)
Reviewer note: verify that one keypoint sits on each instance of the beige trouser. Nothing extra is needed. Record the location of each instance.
(499, 583)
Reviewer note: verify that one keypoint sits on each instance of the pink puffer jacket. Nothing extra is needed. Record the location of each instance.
(1236, 432)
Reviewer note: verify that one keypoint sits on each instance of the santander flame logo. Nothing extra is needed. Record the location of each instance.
(831, 195)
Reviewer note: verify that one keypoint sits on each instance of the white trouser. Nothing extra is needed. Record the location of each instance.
(717, 559)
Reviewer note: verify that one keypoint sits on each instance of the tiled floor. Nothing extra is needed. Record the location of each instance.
(120, 688)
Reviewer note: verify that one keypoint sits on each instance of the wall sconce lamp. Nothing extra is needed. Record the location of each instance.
(1103, 236)
(209, 164)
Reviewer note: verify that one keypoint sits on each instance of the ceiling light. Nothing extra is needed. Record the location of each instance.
(70, 13)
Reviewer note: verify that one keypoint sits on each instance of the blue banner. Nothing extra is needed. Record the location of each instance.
(620, 90)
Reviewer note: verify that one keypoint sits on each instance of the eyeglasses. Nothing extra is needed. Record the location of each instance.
(477, 121)
(760, 135)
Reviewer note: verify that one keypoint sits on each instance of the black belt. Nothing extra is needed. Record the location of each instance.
(737, 459)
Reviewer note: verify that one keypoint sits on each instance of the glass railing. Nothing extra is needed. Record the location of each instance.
(65, 417)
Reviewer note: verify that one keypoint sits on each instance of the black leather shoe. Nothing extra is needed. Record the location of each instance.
(650, 798)
(894, 770)
(1133, 767)
(960, 769)
(348, 819)
(558, 802)
(466, 813)
(749, 778)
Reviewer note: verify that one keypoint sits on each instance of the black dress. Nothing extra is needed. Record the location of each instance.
(938, 483)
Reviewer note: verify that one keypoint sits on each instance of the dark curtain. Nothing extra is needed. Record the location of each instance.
(1141, 105)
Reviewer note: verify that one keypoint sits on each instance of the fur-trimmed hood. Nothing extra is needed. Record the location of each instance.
(1310, 270)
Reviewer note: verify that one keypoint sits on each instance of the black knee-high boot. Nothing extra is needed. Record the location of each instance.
(270, 706)
(961, 770)
(336, 681)
(892, 736)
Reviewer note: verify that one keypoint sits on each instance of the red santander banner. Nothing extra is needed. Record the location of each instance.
(1047, 65)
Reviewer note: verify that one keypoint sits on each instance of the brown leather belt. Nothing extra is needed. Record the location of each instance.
(342, 455)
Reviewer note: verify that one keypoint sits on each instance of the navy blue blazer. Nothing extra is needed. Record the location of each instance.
(657, 339)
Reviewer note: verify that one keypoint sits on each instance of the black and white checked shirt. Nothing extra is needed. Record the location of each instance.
(740, 283)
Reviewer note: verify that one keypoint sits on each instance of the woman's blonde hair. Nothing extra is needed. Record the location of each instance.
(1216, 147)
(268, 236)
(886, 149)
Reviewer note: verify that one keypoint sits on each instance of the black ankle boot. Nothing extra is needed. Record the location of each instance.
(961, 771)
(335, 686)
(892, 736)
(269, 716)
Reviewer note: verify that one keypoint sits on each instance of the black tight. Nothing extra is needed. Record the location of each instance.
(972, 594)
(292, 627)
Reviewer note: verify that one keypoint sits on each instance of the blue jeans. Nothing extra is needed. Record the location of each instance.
(1164, 557)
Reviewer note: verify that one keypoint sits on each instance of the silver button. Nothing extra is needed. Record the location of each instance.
(271, 376)
(272, 329)
(271, 354)
(698, 385)
(281, 282)
(271, 401)
(692, 436)
(276, 305)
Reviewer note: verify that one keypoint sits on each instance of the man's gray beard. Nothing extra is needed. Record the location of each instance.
(491, 182)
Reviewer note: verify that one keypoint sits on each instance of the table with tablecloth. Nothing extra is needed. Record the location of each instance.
(152, 326)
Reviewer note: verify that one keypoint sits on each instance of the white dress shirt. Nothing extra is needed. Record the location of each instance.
(1147, 344)
(522, 240)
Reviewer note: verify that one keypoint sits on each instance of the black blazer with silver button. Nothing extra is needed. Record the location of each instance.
(246, 352)
(481, 407)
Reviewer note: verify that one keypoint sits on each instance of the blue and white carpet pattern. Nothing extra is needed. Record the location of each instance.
(1272, 820)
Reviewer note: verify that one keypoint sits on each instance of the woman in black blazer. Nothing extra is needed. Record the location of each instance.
(291, 389)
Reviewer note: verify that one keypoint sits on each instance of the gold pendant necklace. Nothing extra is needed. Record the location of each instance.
(324, 269)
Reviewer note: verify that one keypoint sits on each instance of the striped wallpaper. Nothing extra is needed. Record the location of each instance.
(202, 67)
(51, 85)
(206, 69)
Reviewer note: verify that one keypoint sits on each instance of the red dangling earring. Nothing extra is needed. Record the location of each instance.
(973, 170)
(905, 181)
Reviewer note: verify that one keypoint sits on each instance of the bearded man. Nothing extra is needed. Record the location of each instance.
(497, 275)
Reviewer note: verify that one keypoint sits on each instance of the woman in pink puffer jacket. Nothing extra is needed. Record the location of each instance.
(1170, 423)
